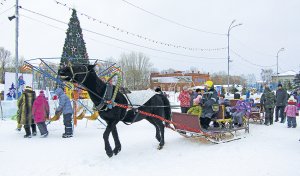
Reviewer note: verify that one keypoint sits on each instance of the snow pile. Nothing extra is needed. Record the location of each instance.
(140, 97)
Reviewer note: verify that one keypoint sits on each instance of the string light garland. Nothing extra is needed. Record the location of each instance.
(138, 35)
(126, 49)
(123, 41)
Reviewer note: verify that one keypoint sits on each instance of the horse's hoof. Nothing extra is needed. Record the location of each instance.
(159, 147)
(109, 154)
(117, 150)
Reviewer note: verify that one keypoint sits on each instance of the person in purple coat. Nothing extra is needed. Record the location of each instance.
(242, 108)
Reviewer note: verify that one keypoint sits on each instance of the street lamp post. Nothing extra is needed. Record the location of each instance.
(228, 33)
(281, 49)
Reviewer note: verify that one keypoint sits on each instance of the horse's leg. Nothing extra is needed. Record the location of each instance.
(106, 133)
(161, 127)
(115, 135)
(157, 135)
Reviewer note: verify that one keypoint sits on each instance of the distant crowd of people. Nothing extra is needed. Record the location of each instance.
(205, 104)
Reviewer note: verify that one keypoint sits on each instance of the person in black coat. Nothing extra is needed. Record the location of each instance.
(281, 101)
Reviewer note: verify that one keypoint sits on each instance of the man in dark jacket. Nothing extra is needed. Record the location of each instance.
(66, 109)
(281, 100)
(209, 98)
(267, 101)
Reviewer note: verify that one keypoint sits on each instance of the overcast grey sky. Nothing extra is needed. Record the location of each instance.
(267, 26)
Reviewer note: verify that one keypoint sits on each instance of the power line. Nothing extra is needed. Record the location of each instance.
(42, 22)
(241, 57)
(6, 10)
(2, 2)
(251, 48)
(171, 21)
(123, 41)
(115, 46)
(138, 35)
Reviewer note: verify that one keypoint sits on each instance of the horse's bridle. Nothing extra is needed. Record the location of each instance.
(79, 73)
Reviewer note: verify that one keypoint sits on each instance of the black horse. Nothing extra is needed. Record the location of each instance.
(86, 76)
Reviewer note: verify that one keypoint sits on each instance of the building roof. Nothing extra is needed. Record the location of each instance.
(288, 73)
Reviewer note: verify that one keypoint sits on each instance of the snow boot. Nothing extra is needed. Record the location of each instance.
(33, 127)
(68, 132)
(44, 135)
(65, 135)
(28, 133)
(19, 127)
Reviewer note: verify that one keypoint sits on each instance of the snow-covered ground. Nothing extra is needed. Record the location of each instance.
(266, 151)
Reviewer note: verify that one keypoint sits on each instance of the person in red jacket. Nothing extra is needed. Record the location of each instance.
(184, 98)
(40, 111)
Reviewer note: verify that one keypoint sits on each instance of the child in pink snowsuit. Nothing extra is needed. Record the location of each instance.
(40, 111)
(291, 111)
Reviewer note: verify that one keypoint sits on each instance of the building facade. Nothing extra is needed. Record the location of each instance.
(177, 80)
(284, 77)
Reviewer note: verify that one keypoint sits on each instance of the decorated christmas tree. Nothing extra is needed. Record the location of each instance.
(74, 48)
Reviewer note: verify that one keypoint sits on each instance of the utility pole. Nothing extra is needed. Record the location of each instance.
(228, 54)
(17, 47)
(281, 49)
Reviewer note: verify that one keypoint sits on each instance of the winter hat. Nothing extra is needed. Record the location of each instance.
(28, 88)
(292, 99)
(41, 92)
(198, 90)
(196, 101)
(209, 84)
(185, 88)
(279, 85)
(157, 89)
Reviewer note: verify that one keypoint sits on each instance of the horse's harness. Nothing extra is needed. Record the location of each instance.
(108, 94)
(107, 101)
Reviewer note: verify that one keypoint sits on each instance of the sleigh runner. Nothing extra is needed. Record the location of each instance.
(189, 126)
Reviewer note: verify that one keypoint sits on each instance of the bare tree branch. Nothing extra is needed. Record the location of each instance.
(136, 67)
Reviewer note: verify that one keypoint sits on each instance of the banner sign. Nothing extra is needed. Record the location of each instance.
(10, 84)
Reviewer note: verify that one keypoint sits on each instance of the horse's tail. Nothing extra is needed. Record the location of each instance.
(167, 109)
